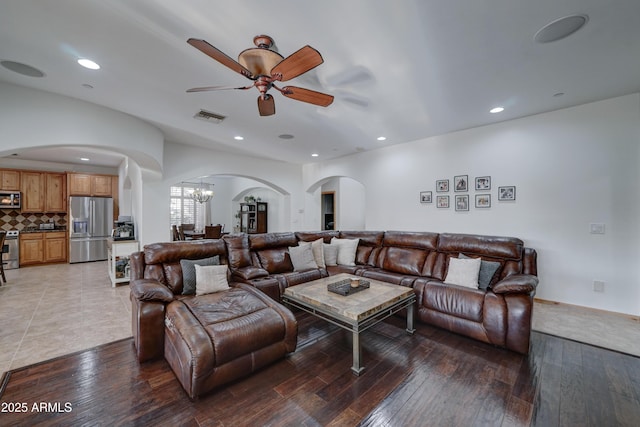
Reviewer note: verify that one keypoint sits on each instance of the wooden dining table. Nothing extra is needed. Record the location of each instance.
(193, 234)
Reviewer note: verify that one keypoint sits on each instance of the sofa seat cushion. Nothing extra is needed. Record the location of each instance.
(389, 276)
(459, 301)
(237, 322)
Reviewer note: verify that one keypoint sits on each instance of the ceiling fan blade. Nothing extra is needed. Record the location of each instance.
(297, 63)
(266, 105)
(307, 95)
(210, 88)
(220, 56)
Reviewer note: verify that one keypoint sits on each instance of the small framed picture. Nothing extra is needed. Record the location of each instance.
(442, 186)
(461, 183)
(442, 201)
(462, 202)
(425, 196)
(483, 183)
(507, 193)
(483, 200)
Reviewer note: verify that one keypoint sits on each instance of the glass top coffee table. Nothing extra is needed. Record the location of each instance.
(356, 312)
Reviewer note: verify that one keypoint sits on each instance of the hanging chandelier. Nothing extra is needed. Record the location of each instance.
(202, 193)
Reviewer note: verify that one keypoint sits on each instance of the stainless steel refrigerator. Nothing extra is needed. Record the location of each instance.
(90, 223)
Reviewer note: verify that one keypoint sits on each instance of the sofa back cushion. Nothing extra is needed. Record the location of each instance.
(238, 250)
(508, 251)
(369, 245)
(310, 236)
(162, 260)
(408, 252)
(271, 251)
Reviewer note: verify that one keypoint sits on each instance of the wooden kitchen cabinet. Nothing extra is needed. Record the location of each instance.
(31, 248)
(55, 247)
(84, 184)
(33, 191)
(9, 180)
(43, 248)
(55, 192)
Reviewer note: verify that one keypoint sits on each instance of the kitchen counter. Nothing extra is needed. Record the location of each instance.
(36, 230)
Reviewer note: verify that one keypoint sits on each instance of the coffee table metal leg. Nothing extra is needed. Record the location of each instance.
(357, 354)
(410, 328)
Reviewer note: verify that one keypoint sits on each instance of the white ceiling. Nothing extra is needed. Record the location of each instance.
(405, 69)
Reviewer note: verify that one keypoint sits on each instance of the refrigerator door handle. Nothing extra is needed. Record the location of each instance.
(92, 215)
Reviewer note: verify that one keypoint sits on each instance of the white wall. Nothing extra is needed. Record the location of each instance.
(184, 162)
(571, 167)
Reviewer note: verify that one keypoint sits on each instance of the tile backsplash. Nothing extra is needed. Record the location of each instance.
(11, 219)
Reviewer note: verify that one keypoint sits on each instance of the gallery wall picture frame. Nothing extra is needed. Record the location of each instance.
(507, 193)
(461, 183)
(426, 196)
(462, 202)
(483, 183)
(442, 202)
(483, 201)
(442, 186)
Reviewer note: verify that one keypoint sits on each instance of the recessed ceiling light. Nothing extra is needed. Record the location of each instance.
(238, 138)
(315, 155)
(20, 68)
(496, 110)
(286, 136)
(382, 138)
(87, 63)
(85, 159)
(559, 94)
(87, 86)
(560, 28)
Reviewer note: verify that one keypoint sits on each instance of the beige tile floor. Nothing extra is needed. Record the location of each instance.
(48, 311)
(53, 310)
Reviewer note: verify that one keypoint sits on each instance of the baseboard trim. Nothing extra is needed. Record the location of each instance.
(597, 310)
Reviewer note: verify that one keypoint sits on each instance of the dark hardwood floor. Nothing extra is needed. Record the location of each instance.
(433, 378)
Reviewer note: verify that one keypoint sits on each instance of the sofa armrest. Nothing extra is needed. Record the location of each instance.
(516, 284)
(250, 272)
(150, 290)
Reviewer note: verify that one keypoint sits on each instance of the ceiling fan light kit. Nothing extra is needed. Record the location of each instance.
(265, 67)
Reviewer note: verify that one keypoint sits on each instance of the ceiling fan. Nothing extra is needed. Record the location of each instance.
(265, 67)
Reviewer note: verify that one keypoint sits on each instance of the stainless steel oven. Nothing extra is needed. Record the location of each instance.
(11, 250)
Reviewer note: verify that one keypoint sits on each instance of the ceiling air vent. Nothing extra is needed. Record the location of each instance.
(208, 116)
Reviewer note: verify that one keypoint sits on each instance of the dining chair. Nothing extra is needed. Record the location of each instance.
(188, 227)
(212, 231)
(174, 232)
(181, 232)
(3, 235)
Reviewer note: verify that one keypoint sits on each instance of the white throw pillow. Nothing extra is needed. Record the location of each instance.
(463, 272)
(318, 252)
(346, 250)
(211, 278)
(330, 253)
(302, 257)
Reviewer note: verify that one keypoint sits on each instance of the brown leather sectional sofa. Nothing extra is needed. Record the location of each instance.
(499, 315)
(163, 319)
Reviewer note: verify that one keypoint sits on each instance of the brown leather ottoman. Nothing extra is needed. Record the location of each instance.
(216, 338)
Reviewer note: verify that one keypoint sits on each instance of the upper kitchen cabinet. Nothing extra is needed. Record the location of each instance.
(43, 192)
(33, 188)
(55, 199)
(9, 180)
(82, 184)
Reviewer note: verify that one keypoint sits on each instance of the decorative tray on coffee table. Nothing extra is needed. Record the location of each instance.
(343, 287)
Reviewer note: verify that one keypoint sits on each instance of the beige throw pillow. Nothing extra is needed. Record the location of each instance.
(211, 278)
(302, 257)
(346, 250)
(330, 253)
(318, 252)
(463, 272)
